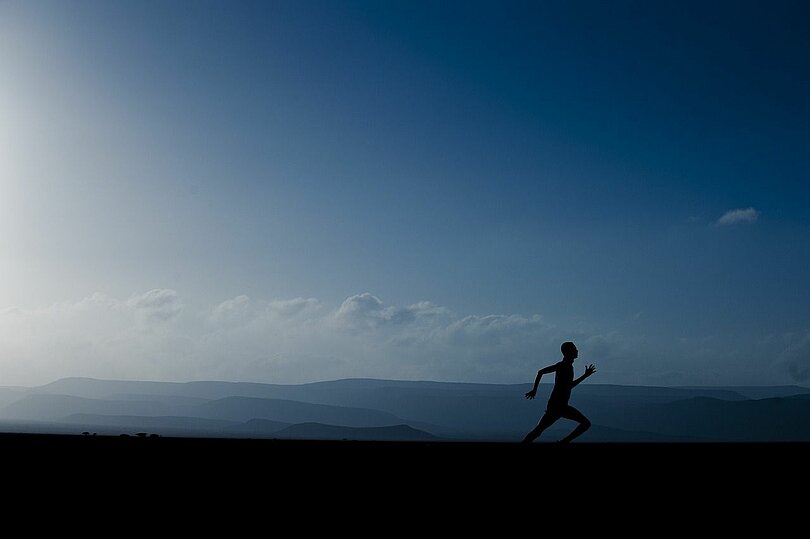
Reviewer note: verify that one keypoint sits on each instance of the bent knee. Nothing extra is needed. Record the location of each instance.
(586, 423)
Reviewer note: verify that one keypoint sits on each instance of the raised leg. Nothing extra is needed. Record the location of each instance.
(575, 415)
(545, 422)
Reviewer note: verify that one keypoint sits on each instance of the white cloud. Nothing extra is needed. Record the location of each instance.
(231, 310)
(160, 305)
(292, 308)
(366, 311)
(361, 311)
(740, 215)
(243, 310)
(152, 336)
(494, 330)
(96, 336)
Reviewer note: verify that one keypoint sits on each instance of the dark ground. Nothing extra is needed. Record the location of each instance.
(412, 461)
(448, 481)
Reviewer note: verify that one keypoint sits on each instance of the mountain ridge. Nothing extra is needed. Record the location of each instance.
(446, 410)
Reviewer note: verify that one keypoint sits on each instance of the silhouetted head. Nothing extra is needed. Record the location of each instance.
(569, 350)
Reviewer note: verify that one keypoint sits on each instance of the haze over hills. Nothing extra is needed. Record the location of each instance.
(403, 410)
(318, 431)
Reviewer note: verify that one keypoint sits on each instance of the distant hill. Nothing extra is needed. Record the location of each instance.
(45, 407)
(105, 389)
(260, 428)
(762, 392)
(181, 400)
(448, 410)
(156, 424)
(12, 394)
(319, 431)
(774, 419)
(246, 408)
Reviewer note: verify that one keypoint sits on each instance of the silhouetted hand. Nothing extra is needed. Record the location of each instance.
(590, 369)
(530, 395)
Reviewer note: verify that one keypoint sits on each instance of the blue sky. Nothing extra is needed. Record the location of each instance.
(291, 191)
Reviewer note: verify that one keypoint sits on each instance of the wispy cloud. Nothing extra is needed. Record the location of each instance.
(739, 215)
(159, 304)
(366, 311)
(153, 335)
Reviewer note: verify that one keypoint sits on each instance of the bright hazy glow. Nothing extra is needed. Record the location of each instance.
(268, 192)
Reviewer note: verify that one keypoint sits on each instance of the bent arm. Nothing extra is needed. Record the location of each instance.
(589, 370)
(540, 373)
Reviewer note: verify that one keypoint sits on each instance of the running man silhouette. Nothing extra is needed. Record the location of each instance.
(558, 406)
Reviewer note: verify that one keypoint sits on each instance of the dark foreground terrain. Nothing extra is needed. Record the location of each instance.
(436, 465)
(234, 485)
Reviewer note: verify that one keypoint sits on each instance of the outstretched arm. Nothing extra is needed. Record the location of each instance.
(589, 370)
(551, 368)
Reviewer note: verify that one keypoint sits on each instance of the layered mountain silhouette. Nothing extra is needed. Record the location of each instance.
(362, 409)
(319, 431)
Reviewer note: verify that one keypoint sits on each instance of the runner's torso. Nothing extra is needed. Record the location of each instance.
(563, 381)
